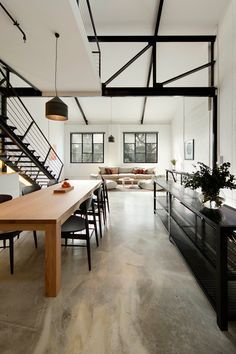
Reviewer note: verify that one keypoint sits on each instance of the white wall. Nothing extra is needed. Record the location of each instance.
(192, 121)
(226, 67)
(113, 152)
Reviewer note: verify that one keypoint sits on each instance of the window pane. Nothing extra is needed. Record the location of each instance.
(87, 158)
(151, 158)
(87, 148)
(98, 158)
(129, 138)
(129, 157)
(151, 148)
(140, 148)
(77, 138)
(140, 157)
(151, 138)
(140, 138)
(129, 148)
(87, 138)
(76, 153)
(98, 148)
(98, 138)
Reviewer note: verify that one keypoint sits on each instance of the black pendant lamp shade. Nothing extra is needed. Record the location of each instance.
(56, 109)
(111, 139)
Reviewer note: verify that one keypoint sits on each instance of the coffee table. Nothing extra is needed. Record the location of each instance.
(126, 179)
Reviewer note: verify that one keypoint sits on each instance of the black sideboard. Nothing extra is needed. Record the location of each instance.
(207, 240)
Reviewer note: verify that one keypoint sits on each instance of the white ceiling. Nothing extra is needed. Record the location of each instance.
(35, 59)
(76, 66)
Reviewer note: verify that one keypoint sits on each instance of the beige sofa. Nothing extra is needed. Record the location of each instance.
(132, 172)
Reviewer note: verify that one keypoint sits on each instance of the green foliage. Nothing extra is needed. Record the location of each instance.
(173, 162)
(211, 180)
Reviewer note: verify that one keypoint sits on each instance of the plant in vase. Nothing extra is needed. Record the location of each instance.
(173, 162)
(211, 180)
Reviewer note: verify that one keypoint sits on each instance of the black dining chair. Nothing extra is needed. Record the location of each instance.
(105, 194)
(8, 236)
(28, 190)
(77, 228)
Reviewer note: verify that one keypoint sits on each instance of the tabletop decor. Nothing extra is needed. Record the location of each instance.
(211, 180)
(173, 163)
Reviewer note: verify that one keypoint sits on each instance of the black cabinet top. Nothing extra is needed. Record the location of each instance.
(223, 217)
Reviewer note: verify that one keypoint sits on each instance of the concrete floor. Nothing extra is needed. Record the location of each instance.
(139, 298)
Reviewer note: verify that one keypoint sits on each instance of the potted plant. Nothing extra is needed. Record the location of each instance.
(173, 162)
(211, 180)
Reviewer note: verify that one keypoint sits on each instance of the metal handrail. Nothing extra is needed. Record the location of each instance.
(29, 131)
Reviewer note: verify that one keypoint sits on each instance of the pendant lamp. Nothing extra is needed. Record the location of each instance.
(56, 109)
(111, 138)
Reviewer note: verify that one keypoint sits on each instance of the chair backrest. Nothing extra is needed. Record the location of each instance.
(86, 205)
(51, 182)
(30, 189)
(98, 192)
(5, 197)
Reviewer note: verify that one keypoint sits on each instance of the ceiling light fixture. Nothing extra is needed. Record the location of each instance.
(111, 138)
(56, 109)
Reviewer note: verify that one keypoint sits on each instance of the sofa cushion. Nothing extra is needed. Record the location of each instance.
(125, 169)
(142, 176)
(151, 170)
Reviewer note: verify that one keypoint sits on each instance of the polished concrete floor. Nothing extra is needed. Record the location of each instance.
(139, 298)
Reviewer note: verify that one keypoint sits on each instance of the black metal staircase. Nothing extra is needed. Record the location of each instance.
(23, 146)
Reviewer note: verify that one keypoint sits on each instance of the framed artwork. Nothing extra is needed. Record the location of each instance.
(189, 149)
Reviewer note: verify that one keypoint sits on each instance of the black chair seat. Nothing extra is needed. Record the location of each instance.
(73, 224)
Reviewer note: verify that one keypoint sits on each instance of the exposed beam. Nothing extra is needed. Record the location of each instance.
(188, 73)
(127, 64)
(153, 58)
(20, 91)
(151, 39)
(81, 111)
(158, 91)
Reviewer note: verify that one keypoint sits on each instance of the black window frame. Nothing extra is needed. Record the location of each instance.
(145, 133)
(86, 133)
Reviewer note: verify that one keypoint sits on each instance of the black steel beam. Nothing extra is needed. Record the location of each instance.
(152, 63)
(20, 91)
(81, 110)
(158, 91)
(127, 64)
(188, 73)
(151, 39)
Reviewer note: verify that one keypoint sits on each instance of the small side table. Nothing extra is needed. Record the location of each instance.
(126, 179)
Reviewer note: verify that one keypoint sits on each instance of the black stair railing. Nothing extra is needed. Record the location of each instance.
(27, 130)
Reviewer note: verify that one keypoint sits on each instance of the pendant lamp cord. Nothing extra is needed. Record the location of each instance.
(57, 36)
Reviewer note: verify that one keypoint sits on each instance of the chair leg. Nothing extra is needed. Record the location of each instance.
(4, 243)
(88, 253)
(95, 225)
(11, 253)
(107, 200)
(35, 239)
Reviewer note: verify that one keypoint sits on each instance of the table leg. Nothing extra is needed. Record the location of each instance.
(52, 260)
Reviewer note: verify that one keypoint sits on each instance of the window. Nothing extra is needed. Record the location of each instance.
(87, 147)
(140, 147)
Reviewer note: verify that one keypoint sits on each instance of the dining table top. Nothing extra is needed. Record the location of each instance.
(45, 206)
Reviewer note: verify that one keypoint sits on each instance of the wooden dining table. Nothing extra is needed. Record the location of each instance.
(46, 210)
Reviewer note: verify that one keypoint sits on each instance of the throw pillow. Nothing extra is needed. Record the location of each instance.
(114, 170)
(108, 171)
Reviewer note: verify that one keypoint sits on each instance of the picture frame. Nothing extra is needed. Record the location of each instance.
(189, 149)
